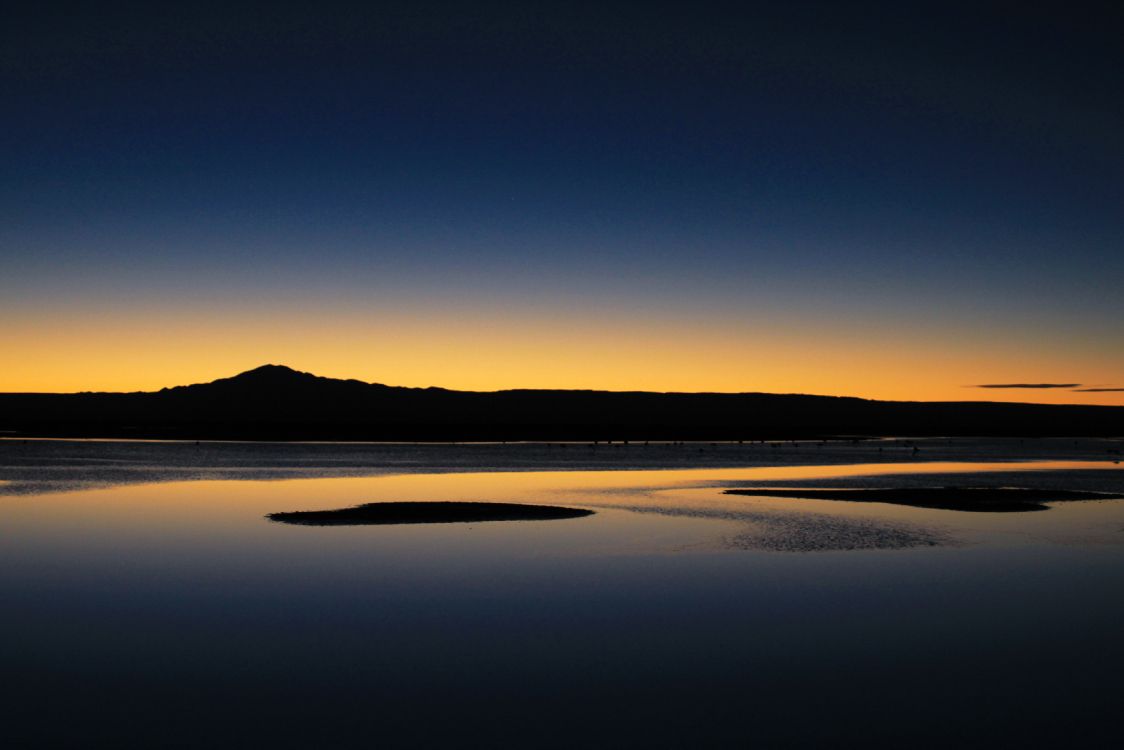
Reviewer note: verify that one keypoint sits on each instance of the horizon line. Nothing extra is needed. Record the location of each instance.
(282, 367)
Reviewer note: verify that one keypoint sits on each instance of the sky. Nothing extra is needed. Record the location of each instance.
(887, 200)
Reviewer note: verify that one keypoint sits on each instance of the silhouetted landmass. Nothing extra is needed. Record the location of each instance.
(979, 499)
(374, 514)
(277, 403)
(1029, 385)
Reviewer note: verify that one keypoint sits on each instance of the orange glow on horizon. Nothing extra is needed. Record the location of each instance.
(67, 353)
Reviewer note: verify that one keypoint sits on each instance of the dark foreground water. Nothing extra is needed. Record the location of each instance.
(147, 600)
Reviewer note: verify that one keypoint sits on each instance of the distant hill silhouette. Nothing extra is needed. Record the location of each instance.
(275, 402)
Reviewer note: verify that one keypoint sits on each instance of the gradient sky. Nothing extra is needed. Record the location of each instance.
(888, 200)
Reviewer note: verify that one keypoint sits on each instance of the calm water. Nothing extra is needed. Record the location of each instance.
(146, 599)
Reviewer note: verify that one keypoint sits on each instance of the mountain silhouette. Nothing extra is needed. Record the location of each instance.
(264, 377)
(275, 402)
(271, 380)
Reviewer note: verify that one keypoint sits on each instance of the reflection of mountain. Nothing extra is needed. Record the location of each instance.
(276, 402)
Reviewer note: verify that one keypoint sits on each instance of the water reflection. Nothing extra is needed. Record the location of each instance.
(175, 613)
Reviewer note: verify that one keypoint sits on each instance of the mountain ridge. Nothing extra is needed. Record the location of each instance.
(273, 374)
(277, 402)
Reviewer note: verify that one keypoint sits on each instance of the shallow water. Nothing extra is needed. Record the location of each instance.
(174, 613)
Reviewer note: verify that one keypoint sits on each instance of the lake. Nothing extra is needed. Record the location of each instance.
(148, 600)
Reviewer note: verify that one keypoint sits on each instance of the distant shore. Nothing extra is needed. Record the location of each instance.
(974, 499)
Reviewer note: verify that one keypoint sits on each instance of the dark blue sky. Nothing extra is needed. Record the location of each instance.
(947, 163)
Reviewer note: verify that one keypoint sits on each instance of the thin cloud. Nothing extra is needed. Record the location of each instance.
(1098, 390)
(1027, 385)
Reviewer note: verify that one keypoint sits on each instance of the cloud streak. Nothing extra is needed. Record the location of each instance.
(1027, 385)
(1098, 390)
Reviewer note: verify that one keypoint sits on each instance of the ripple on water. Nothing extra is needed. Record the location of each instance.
(813, 532)
(803, 531)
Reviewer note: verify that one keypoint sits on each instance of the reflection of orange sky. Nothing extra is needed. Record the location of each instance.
(67, 351)
(180, 503)
(137, 504)
(213, 531)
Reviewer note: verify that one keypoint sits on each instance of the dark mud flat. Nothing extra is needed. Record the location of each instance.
(977, 499)
(377, 514)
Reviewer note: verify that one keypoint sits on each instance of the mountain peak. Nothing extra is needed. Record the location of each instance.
(267, 377)
(272, 371)
(271, 381)
(271, 374)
